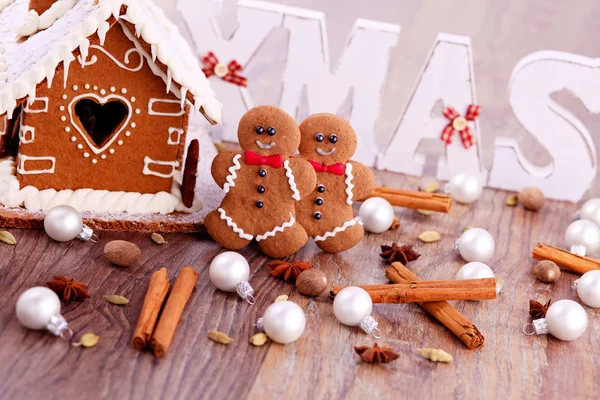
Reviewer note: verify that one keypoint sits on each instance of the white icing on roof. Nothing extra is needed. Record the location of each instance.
(35, 59)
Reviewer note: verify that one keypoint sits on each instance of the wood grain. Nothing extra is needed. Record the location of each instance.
(322, 364)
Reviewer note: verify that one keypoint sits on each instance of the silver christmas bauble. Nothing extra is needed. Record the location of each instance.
(474, 270)
(284, 322)
(351, 305)
(566, 320)
(591, 211)
(227, 270)
(63, 223)
(464, 188)
(588, 288)
(476, 244)
(376, 214)
(36, 306)
(583, 237)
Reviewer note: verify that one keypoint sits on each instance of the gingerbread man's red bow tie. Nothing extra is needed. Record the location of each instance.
(251, 158)
(229, 72)
(337, 169)
(459, 124)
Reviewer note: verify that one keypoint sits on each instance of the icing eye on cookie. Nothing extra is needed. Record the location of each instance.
(271, 131)
(319, 137)
(260, 130)
(333, 138)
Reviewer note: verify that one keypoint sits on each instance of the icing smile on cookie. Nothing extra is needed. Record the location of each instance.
(325, 153)
(264, 146)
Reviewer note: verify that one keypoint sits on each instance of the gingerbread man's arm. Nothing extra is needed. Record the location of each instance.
(305, 176)
(225, 164)
(364, 180)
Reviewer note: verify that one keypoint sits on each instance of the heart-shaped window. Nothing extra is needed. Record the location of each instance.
(101, 121)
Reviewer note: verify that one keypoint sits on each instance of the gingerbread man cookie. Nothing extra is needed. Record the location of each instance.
(262, 184)
(328, 142)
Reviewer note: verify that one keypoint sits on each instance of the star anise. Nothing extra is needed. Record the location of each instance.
(68, 288)
(376, 354)
(403, 254)
(288, 271)
(538, 310)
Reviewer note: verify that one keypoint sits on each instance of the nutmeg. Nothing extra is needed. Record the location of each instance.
(532, 198)
(311, 282)
(122, 253)
(546, 271)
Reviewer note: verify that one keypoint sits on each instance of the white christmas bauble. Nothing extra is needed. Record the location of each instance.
(474, 270)
(36, 306)
(591, 211)
(63, 223)
(284, 322)
(464, 188)
(585, 234)
(588, 288)
(566, 320)
(377, 214)
(227, 270)
(476, 244)
(351, 305)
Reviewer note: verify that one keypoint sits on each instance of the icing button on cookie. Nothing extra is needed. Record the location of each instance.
(261, 189)
(321, 188)
(262, 173)
(317, 215)
(319, 201)
(259, 204)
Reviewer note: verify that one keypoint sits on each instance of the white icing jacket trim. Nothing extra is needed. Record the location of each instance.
(337, 230)
(11, 195)
(277, 229)
(234, 226)
(232, 173)
(348, 182)
(291, 180)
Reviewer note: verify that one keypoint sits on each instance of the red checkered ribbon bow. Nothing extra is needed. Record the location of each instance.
(337, 169)
(229, 72)
(251, 158)
(459, 124)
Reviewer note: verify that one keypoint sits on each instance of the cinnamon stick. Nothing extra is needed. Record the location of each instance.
(428, 291)
(414, 199)
(565, 259)
(153, 302)
(165, 330)
(447, 315)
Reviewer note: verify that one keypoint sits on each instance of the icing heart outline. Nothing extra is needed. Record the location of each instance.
(100, 100)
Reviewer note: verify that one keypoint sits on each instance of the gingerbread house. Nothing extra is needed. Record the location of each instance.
(94, 103)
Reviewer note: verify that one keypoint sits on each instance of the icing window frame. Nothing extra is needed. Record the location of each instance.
(30, 110)
(21, 168)
(23, 132)
(152, 101)
(149, 161)
(179, 132)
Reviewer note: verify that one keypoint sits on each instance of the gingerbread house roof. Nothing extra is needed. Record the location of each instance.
(24, 64)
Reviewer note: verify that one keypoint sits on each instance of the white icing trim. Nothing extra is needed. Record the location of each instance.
(234, 226)
(148, 171)
(290, 175)
(277, 229)
(348, 182)
(101, 100)
(229, 181)
(34, 22)
(5, 3)
(337, 230)
(170, 101)
(178, 131)
(93, 58)
(36, 111)
(21, 168)
(23, 132)
(11, 195)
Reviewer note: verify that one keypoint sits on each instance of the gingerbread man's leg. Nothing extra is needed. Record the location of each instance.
(342, 241)
(284, 243)
(222, 233)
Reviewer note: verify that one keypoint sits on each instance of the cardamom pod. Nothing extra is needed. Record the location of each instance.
(87, 340)
(425, 212)
(430, 236)
(116, 299)
(512, 200)
(259, 339)
(158, 239)
(432, 187)
(220, 147)
(437, 355)
(219, 337)
(7, 237)
(283, 297)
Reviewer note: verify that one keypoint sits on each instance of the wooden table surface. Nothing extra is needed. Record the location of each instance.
(322, 363)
